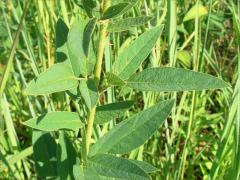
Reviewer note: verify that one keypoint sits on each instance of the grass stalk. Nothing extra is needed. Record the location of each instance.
(194, 98)
(7, 70)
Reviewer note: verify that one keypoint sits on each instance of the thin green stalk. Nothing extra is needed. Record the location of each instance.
(185, 149)
(7, 70)
(17, 157)
(97, 72)
(206, 33)
(172, 31)
(13, 138)
(194, 99)
(172, 46)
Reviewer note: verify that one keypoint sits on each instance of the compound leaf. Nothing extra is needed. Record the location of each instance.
(54, 121)
(133, 132)
(173, 79)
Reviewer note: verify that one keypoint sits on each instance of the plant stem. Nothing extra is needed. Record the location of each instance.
(97, 72)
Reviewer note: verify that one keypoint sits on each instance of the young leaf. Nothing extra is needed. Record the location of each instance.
(44, 154)
(184, 57)
(114, 79)
(54, 121)
(89, 92)
(115, 10)
(148, 168)
(57, 78)
(116, 167)
(131, 58)
(81, 62)
(111, 111)
(173, 79)
(197, 9)
(66, 157)
(126, 24)
(133, 132)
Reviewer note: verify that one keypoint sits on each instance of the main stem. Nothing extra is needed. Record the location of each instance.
(97, 72)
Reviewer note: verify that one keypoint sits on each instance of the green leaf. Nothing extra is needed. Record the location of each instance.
(126, 24)
(197, 9)
(88, 31)
(89, 92)
(116, 167)
(89, 5)
(173, 79)
(111, 111)
(66, 156)
(54, 121)
(81, 62)
(78, 172)
(83, 173)
(44, 154)
(115, 10)
(133, 132)
(148, 168)
(61, 33)
(58, 77)
(184, 57)
(132, 57)
(114, 79)
(83, 145)
(61, 39)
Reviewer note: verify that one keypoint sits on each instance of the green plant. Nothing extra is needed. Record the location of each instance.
(77, 77)
(113, 97)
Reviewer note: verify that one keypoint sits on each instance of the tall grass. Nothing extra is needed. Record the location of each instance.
(199, 141)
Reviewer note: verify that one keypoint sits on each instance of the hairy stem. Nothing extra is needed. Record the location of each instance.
(97, 72)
